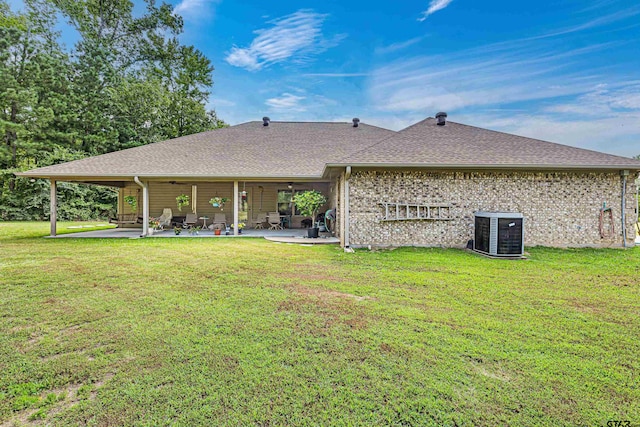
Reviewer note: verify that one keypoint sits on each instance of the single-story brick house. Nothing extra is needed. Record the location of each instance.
(419, 186)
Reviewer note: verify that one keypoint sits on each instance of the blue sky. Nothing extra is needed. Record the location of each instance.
(567, 71)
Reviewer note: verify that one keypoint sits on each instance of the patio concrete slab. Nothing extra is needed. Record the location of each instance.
(245, 233)
(285, 236)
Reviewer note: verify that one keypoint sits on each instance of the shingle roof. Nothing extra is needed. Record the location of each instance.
(282, 149)
(457, 145)
(304, 149)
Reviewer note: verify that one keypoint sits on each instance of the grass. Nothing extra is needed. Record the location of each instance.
(247, 332)
(26, 230)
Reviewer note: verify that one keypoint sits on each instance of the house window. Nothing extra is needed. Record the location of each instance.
(285, 205)
(284, 202)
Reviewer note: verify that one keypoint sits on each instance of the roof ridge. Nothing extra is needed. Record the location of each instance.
(395, 133)
(294, 121)
(315, 122)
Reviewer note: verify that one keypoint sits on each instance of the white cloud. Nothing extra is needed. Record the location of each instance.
(335, 75)
(243, 58)
(293, 37)
(219, 102)
(467, 79)
(399, 46)
(597, 22)
(434, 6)
(288, 102)
(603, 101)
(195, 9)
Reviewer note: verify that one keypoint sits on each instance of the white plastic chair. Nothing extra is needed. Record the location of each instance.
(165, 219)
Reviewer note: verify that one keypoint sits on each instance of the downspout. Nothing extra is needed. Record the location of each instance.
(347, 175)
(624, 174)
(145, 206)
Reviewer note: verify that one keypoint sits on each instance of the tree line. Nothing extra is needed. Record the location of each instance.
(127, 81)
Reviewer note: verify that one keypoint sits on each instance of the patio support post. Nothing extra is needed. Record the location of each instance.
(235, 208)
(145, 206)
(53, 207)
(347, 222)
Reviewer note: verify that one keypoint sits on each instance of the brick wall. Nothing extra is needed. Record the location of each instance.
(560, 209)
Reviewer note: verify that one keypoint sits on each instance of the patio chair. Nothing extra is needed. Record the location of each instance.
(165, 219)
(259, 221)
(219, 218)
(190, 220)
(274, 221)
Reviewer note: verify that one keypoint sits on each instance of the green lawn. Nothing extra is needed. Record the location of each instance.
(247, 332)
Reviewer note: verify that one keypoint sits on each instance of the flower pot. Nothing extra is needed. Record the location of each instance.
(215, 205)
(217, 231)
(312, 233)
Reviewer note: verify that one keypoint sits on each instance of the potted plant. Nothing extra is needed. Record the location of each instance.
(182, 200)
(154, 224)
(177, 230)
(308, 203)
(241, 225)
(217, 230)
(131, 201)
(218, 202)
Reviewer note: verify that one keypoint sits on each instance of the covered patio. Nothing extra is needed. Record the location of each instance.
(248, 203)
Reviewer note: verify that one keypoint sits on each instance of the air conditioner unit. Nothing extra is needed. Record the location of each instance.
(499, 234)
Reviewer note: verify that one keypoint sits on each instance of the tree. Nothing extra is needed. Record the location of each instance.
(128, 81)
(29, 199)
(186, 75)
(112, 45)
(308, 203)
(32, 86)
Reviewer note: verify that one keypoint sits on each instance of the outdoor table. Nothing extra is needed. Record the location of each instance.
(204, 221)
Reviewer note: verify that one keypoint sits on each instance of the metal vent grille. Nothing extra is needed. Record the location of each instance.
(509, 236)
(499, 233)
(483, 227)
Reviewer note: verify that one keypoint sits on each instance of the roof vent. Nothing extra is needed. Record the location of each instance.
(356, 121)
(442, 118)
(266, 121)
